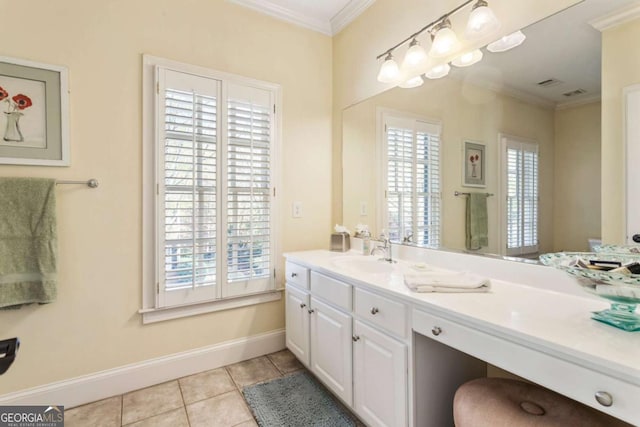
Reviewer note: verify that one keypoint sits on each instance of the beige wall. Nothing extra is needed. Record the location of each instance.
(620, 68)
(467, 112)
(384, 24)
(577, 177)
(94, 324)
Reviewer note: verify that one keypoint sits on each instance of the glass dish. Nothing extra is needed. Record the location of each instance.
(622, 290)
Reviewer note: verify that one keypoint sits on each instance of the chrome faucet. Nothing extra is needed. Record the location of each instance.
(386, 249)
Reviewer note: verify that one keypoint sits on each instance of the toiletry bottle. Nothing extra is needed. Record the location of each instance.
(366, 242)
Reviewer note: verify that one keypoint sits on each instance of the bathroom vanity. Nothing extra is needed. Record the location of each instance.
(396, 357)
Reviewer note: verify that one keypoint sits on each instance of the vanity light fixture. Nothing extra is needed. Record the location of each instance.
(438, 71)
(445, 41)
(415, 57)
(468, 59)
(389, 72)
(412, 82)
(505, 43)
(482, 21)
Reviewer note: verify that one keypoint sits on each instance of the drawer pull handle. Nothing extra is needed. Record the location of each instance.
(374, 310)
(294, 275)
(604, 398)
(303, 305)
(311, 310)
(355, 338)
(437, 330)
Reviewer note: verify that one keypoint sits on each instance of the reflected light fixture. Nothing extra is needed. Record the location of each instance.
(482, 21)
(389, 72)
(468, 59)
(438, 71)
(507, 42)
(412, 82)
(415, 56)
(445, 41)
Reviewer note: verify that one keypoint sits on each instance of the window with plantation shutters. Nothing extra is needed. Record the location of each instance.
(214, 187)
(412, 180)
(521, 177)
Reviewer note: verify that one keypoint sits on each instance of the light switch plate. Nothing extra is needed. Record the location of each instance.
(364, 209)
(296, 210)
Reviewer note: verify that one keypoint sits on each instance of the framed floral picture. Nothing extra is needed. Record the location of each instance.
(473, 164)
(34, 113)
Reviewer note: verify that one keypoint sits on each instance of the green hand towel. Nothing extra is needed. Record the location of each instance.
(476, 224)
(28, 241)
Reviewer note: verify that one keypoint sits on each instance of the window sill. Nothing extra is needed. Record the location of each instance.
(153, 315)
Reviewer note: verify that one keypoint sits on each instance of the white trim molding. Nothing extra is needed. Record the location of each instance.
(617, 17)
(348, 14)
(112, 382)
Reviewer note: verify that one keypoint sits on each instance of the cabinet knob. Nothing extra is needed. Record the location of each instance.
(604, 398)
(303, 305)
(355, 338)
(437, 330)
(374, 310)
(294, 275)
(311, 310)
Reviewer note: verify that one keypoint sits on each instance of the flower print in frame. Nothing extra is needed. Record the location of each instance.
(474, 164)
(34, 104)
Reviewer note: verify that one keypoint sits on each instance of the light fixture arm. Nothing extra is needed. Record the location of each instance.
(426, 27)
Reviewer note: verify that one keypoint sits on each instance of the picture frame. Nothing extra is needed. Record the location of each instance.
(474, 164)
(34, 113)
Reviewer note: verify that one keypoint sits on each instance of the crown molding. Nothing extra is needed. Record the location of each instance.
(617, 17)
(282, 13)
(578, 102)
(351, 11)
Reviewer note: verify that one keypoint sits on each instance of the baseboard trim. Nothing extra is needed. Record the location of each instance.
(100, 385)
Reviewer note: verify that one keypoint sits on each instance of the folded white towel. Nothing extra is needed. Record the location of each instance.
(446, 282)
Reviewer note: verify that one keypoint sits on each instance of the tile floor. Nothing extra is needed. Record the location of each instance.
(211, 398)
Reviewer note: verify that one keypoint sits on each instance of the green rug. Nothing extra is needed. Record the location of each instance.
(296, 401)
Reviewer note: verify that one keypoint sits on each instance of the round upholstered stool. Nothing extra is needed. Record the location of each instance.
(497, 402)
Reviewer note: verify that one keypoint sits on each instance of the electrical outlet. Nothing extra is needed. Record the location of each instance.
(364, 210)
(297, 210)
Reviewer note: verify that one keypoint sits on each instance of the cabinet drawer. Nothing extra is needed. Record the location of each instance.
(332, 290)
(569, 379)
(297, 275)
(381, 311)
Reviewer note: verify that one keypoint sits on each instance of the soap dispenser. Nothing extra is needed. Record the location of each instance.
(366, 242)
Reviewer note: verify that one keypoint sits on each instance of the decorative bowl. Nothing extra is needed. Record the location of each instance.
(622, 290)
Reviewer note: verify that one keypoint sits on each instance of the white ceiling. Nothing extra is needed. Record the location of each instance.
(325, 16)
(563, 47)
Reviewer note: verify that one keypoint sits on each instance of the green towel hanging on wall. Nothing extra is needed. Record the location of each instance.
(28, 241)
(477, 228)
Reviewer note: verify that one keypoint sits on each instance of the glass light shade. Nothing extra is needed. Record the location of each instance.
(389, 71)
(507, 42)
(445, 43)
(438, 71)
(482, 22)
(415, 56)
(412, 82)
(468, 58)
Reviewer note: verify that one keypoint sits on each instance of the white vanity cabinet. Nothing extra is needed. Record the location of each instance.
(297, 323)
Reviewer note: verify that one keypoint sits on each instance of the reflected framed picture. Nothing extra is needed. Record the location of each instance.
(473, 164)
(34, 113)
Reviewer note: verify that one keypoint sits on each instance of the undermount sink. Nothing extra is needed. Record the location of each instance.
(364, 264)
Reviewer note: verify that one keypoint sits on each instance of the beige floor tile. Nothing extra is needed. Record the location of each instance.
(250, 423)
(226, 410)
(175, 418)
(148, 402)
(285, 361)
(205, 385)
(103, 413)
(253, 371)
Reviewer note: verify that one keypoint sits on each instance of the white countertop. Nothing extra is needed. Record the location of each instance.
(545, 320)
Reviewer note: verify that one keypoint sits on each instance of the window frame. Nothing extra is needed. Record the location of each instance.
(506, 141)
(384, 115)
(152, 309)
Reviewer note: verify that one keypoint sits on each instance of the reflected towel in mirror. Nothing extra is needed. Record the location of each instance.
(447, 282)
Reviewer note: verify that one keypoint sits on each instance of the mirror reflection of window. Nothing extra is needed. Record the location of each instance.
(411, 151)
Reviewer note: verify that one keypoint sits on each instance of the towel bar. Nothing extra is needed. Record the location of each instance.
(92, 183)
(458, 193)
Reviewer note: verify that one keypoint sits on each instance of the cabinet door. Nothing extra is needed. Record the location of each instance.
(297, 323)
(380, 377)
(331, 349)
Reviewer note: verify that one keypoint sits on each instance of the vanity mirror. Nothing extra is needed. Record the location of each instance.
(535, 110)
